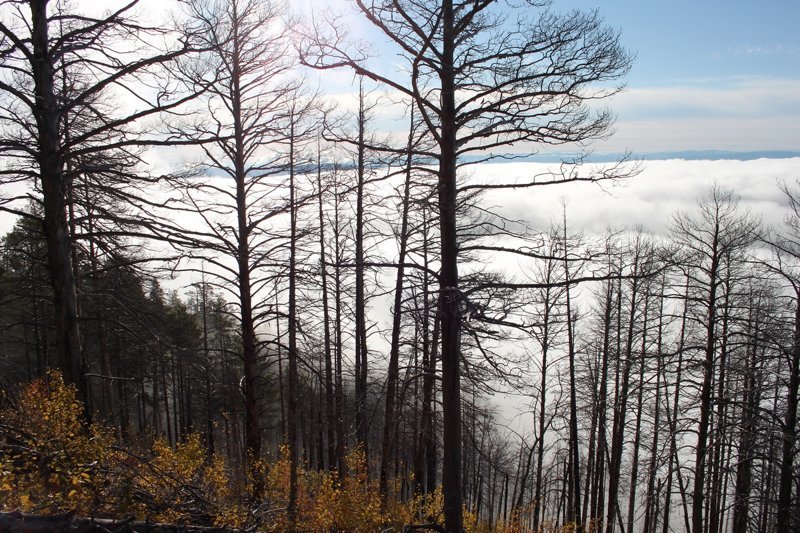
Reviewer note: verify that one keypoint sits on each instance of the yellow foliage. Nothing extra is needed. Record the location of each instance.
(52, 461)
(324, 500)
(182, 485)
(329, 502)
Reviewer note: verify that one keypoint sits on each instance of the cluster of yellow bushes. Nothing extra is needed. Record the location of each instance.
(52, 462)
(352, 503)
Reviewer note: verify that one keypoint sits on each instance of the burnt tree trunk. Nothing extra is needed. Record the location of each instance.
(787, 470)
(360, 311)
(330, 416)
(620, 411)
(291, 411)
(389, 420)
(450, 306)
(706, 390)
(50, 159)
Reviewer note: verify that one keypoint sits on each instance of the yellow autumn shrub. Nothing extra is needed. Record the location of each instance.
(329, 502)
(51, 460)
(358, 507)
(318, 497)
(180, 485)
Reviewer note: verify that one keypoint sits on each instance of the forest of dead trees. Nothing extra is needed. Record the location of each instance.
(303, 294)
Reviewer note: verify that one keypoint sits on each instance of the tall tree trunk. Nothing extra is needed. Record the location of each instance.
(54, 225)
(252, 424)
(424, 410)
(279, 349)
(598, 483)
(706, 390)
(591, 455)
(673, 419)
(426, 465)
(450, 307)
(637, 434)
(330, 423)
(574, 512)
(620, 411)
(339, 388)
(176, 396)
(291, 410)
(429, 393)
(39, 338)
(715, 514)
(768, 472)
(360, 310)
(156, 408)
(789, 433)
(208, 370)
(651, 504)
(389, 421)
(165, 397)
(724, 511)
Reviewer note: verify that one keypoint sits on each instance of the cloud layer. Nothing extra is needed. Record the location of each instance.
(648, 200)
(743, 114)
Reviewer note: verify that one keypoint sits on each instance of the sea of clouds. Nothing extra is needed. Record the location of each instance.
(648, 200)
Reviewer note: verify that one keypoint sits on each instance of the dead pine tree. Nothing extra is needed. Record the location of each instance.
(41, 43)
(243, 73)
(719, 231)
(449, 45)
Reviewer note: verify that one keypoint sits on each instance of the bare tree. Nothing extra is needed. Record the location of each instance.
(244, 77)
(468, 67)
(720, 231)
(390, 413)
(787, 248)
(41, 47)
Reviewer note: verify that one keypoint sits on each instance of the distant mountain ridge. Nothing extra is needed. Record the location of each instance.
(721, 154)
(556, 157)
(688, 155)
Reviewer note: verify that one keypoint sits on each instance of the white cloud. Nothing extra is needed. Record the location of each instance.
(742, 114)
(730, 98)
(648, 200)
(683, 134)
(762, 49)
(745, 114)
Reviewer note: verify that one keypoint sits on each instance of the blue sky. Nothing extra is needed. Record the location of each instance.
(709, 75)
(682, 40)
